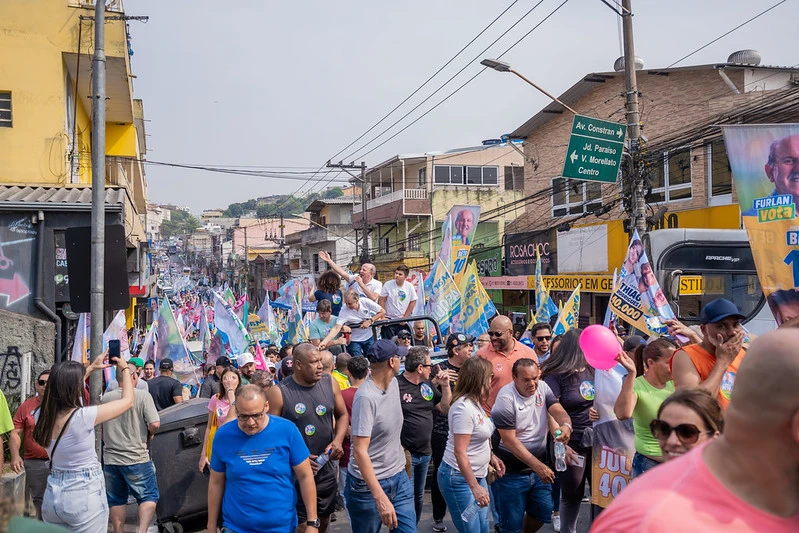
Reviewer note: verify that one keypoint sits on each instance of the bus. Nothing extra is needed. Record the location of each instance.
(695, 266)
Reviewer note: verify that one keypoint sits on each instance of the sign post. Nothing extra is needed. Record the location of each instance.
(595, 150)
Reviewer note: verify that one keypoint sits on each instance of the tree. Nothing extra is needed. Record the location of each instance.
(333, 192)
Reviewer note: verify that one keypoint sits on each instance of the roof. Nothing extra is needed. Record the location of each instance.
(582, 87)
(424, 156)
(57, 197)
(318, 204)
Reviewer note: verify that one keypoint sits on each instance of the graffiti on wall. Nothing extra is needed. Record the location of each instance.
(17, 263)
(11, 371)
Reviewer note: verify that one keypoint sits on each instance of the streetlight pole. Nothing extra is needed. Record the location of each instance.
(501, 66)
(633, 117)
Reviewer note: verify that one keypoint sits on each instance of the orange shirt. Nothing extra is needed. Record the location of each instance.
(683, 495)
(503, 364)
(704, 361)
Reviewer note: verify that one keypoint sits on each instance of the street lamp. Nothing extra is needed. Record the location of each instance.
(501, 66)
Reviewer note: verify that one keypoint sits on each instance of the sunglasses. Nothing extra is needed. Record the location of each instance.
(42, 382)
(687, 433)
(255, 417)
(544, 338)
(497, 333)
(427, 366)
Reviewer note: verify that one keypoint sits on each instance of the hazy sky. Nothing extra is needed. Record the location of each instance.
(259, 83)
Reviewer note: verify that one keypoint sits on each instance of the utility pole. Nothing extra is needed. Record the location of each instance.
(98, 202)
(246, 265)
(364, 219)
(633, 118)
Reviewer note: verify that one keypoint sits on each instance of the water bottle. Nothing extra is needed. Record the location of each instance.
(470, 512)
(323, 459)
(560, 453)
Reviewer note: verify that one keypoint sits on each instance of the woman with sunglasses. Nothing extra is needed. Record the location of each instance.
(647, 384)
(686, 419)
(462, 474)
(75, 496)
(572, 381)
(219, 407)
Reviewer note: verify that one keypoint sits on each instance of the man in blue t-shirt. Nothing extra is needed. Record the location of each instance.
(259, 451)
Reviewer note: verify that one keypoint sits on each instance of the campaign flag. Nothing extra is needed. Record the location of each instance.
(462, 227)
(763, 162)
(544, 306)
(241, 308)
(257, 329)
(267, 315)
(205, 330)
(80, 347)
(148, 346)
(614, 440)
(567, 319)
(416, 278)
(443, 298)
(229, 297)
(489, 309)
(473, 320)
(610, 318)
(229, 328)
(638, 299)
(172, 345)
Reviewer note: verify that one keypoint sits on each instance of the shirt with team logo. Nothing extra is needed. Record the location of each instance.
(418, 404)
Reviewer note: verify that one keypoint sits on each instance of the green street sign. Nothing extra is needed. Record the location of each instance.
(595, 149)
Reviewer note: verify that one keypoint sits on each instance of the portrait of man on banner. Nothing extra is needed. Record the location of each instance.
(462, 225)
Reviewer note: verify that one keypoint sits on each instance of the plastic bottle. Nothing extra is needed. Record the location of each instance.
(323, 459)
(470, 512)
(560, 453)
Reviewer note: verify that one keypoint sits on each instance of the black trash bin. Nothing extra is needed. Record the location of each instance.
(175, 450)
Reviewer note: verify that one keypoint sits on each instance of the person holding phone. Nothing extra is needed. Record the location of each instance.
(219, 411)
(65, 428)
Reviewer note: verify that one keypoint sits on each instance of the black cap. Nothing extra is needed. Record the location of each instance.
(632, 342)
(287, 366)
(457, 339)
(166, 364)
(222, 360)
(718, 310)
(384, 349)
(404, 334)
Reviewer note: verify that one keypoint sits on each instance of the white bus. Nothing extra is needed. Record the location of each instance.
(695, 266)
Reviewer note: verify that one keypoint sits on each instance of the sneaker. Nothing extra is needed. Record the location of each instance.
(556, 523)
(439, 526)
(586, 499)
(333, 517)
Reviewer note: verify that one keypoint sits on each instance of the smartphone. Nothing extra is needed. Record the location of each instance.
(579, 461)
(113, 351)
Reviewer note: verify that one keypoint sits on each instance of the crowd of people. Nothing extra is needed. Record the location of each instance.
(352, 423)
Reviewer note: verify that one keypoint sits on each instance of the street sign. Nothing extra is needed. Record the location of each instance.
(595, 149)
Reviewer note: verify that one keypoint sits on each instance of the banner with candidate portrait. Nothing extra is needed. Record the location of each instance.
(473, 319)
(764, 160)
(443, 298)
(637, 297)
(462, 226)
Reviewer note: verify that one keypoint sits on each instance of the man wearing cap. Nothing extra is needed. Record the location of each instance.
(459, 349)
(165, 390)
(139, 384)
(502, 352)
(246, 364)
(420, 398)
(378, 490)
(403, 338)
(311, 400)
(210, 385)
(285, 368)
(712, 364)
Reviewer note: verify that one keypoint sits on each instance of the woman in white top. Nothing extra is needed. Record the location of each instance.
(75, 497)
(462, 474)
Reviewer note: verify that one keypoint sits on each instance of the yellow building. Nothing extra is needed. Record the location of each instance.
(45, 138)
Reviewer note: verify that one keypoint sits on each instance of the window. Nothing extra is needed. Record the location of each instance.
(315, 260)
(575, 197)
(719, 172)
(671, 180)
(5, 109)
(384, 246)
(454, 175)
(423, 177)
(414, 242)
(514, 178)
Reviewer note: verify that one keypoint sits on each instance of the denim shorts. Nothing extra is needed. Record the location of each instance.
(517, 494)
(138, 480)
(76, 500)
(642, 463)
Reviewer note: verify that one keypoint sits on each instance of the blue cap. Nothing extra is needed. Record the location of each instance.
(384, 349)
(718, 310)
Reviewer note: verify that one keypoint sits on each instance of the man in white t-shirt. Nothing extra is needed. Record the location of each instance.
(398, 298)
(364, 282)
(359, 314)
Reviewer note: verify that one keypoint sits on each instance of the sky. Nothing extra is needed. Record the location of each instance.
(286, 86)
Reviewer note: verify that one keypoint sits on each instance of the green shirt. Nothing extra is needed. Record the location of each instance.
(6, 422)
(646, 410)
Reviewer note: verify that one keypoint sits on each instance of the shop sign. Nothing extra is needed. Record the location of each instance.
(698, 285)
(569, 283)
(520, 253)
(505, 282)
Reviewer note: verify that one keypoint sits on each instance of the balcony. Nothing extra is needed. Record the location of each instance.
(393, 206)
(316, 235)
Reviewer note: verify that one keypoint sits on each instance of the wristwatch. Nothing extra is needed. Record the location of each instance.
(313, 523)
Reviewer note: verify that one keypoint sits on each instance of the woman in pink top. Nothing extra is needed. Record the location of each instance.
(218, 409)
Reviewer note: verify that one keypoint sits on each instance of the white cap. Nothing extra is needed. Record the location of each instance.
(244, 358)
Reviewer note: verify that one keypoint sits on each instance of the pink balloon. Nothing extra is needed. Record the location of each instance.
(600, 347)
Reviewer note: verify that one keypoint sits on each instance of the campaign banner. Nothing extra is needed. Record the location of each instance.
(229, 328)
(638, 299)
(172, 345)
(544, 306)
(267, 316)
(416, 278)
(463, 225)
(257, 328)
(614, 440)
(80, 346)
(569, 314)
(205, 330)
(473, 319)
(763, 159)
(443, 298)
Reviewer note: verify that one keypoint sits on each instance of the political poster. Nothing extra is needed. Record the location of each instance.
(569, 314)
(171, 345)
(463, 225)
(443, 298)
(765, 166)
(473, 320)
(637, 297)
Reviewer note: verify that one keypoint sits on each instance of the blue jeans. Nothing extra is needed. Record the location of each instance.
(641, 463)
(459, 496)
(356, 348)
(419, 464)
(76, 500)
(361, 505)
(138, 480)
(517, 494)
